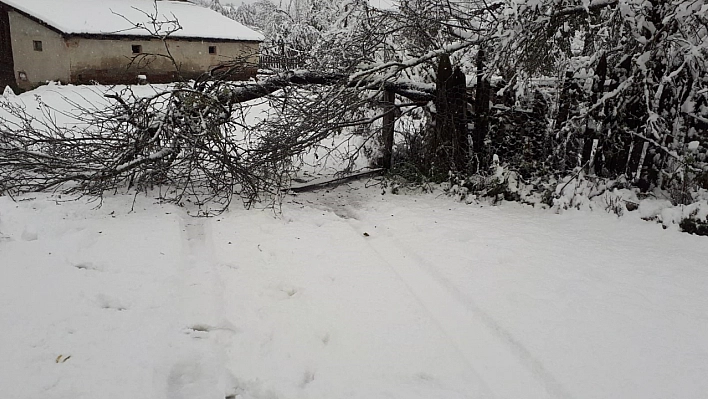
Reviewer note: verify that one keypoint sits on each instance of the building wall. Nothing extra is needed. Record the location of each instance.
(50, 64)
(114, 61)
(111, 61)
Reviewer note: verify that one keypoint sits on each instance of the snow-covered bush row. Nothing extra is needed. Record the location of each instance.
(616, 196)
(685, 209)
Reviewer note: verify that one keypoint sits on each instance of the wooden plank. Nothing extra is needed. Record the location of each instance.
(387, 129)
(333, 182)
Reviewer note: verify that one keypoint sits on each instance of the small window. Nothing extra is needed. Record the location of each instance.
(212, 49)
(37, 45)
(137, 49)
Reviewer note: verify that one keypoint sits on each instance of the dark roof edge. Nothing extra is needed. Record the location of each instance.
(118, 36)
(109, 36)
(33, 18)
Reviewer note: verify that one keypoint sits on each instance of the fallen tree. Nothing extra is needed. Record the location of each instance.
(405, 88)
(183, 137)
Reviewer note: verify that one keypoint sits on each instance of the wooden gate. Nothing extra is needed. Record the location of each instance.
(7, 65)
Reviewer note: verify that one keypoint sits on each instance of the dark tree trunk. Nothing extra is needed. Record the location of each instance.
(440, 143)
(564, 101)
(387, 130)
(481, 115)
(592, 150)
(458, 103)
(450, 146)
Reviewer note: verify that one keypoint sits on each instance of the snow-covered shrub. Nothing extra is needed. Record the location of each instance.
(584, 192)
(690, 218)
(396, 184)
(694, 225)
(499, 183)
(613, 204)
(581, 192)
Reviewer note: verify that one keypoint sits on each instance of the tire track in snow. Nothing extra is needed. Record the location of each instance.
(200, 368)
(505, 365)
(521, 351)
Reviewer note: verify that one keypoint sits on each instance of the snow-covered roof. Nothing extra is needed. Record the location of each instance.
(129, 17)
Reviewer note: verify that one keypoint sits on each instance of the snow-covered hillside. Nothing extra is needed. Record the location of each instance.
(346, 294)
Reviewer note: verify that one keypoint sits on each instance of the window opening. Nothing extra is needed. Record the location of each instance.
(37, 45)
(137, 49)
(212, 49)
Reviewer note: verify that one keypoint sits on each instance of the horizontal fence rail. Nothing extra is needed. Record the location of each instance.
(280, 63)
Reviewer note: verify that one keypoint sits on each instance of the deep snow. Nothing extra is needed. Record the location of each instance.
(437, 300)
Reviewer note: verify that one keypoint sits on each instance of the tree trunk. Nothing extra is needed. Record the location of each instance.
(387, 131)
(594, 124)
(481, 117)
(450, 144)
(458, 94)
(440, 144)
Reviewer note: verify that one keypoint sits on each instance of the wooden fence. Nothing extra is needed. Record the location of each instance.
(281, 63)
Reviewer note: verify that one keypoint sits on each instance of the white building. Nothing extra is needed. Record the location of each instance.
(115, 41)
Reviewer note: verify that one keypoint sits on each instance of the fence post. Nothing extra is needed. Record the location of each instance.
(594, 123)
(564, 101)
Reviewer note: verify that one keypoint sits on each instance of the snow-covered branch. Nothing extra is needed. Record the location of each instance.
(584, 9)
(405, 88)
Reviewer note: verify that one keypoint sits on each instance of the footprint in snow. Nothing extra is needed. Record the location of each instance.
(198, 331)
(307, 378)
(183, 381)
(201, 330)
(29, 234)
(198, 374)
(106, 302)
(86, 266)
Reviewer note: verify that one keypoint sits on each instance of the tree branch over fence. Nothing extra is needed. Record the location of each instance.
(414, 91)
(592, 7)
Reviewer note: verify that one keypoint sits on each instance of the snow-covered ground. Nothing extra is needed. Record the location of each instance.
(346, 294)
